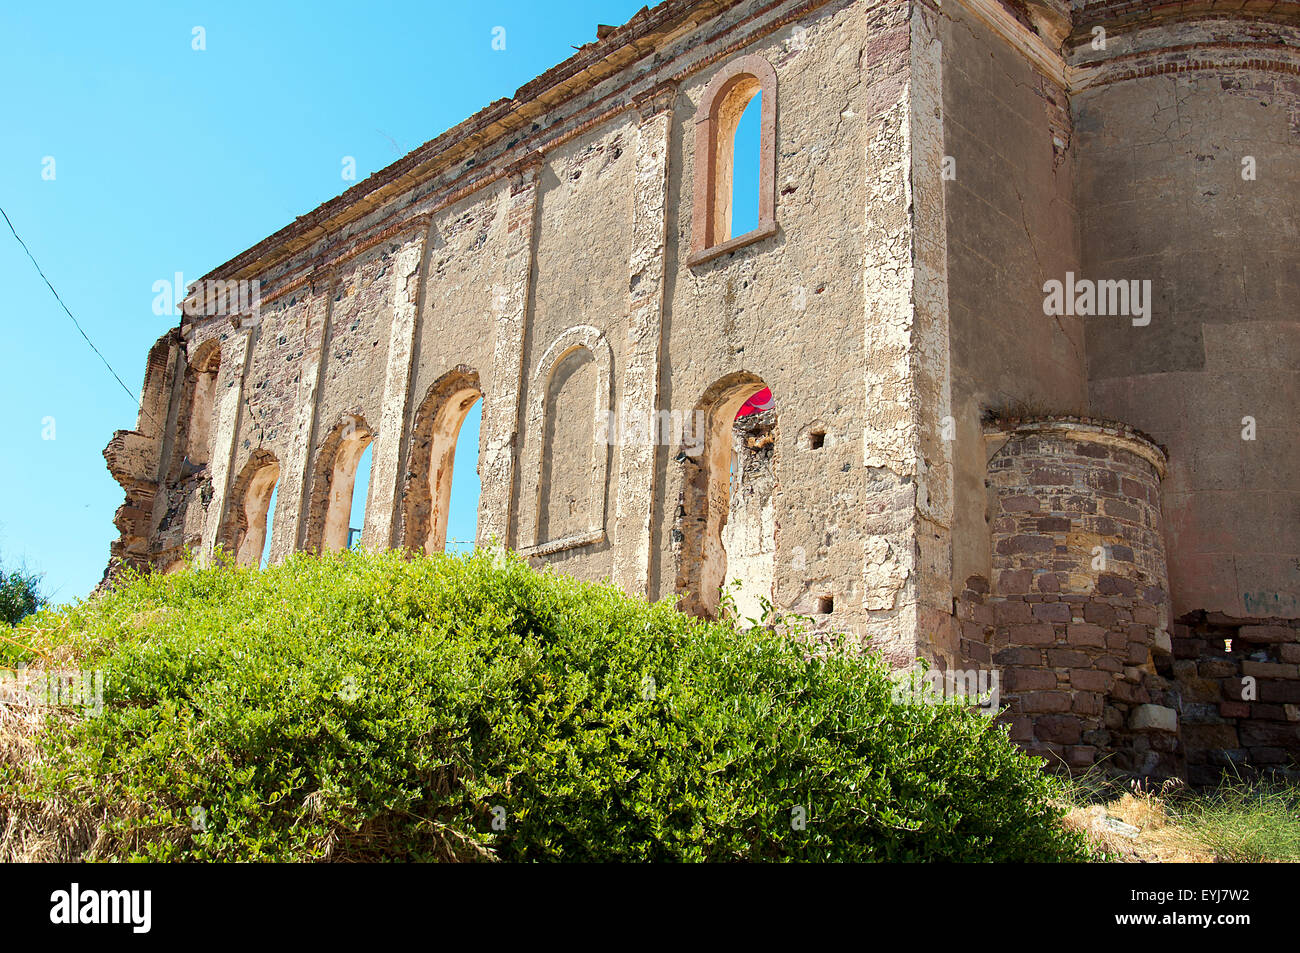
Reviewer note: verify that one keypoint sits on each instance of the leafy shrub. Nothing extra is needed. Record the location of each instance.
(367, 706)
(19, 595)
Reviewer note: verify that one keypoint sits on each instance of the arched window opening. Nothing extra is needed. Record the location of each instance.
(735, 160)
(746, 161)
(334, 485)
(727, 520)
(466, 487)
(247, 530)
(440, 505)
(360, 494)
(749, 533)
(201, 390)
(567, 495)
(265, 555)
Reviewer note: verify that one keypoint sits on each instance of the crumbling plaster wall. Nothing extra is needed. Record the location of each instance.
(790, 310)
(361, 319)
(1165, 116)
(935, 165)
(584, 217)
(575, 227)
(1011, 225)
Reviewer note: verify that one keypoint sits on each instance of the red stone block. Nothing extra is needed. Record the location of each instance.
(1025, 545)
(1048, 582)
(1083, 633)
(1080, 756)
(1266, 633)
(1019, 656)
(1090, 680)
(1099, 612)
(1014, 582)
(1087, 703)
(1040, 634)
(1066, 658)
(1058, 729)
(1012, 613)
(1029, 679)
(1282, 692)
(1045, 702)
(1052, 612)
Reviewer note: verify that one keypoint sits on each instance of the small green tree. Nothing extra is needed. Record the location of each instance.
(19, 594)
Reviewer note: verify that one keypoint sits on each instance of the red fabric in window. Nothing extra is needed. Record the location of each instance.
(759, 402)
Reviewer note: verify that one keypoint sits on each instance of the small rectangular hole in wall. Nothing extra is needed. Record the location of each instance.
(825, 605)
(816, 440)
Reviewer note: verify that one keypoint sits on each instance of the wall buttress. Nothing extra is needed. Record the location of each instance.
(500, 437)
(229, 401)
(637, 419)
(393, 432)
(287, 532)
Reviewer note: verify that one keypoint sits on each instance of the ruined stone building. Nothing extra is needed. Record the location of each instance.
(1096, 498)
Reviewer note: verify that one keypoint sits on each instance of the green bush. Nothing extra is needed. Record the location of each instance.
(19, 595)
(367, 706)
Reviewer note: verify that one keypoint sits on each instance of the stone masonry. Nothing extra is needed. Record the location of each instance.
(1098, 502)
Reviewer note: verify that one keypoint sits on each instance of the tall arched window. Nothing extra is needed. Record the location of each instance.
(247, 527)
(201, 387)
(725, 100)
(360, 495)
(566, 458)
(427, 502)
(334, 483)
(726, 523)
(746, 168)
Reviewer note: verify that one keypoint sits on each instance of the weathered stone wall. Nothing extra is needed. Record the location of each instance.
(1011, 226)
(1238, 688)
(135, 458)
(542, 252)
(1078, 604)
(1165, 117)
(788, 311)
(929, 168)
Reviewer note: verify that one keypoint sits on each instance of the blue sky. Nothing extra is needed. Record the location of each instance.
(167, 159)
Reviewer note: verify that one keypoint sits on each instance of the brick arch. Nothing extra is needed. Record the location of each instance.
(245, 529)
(333, 478)
(705, 497)
(721, 106)
(426, 500)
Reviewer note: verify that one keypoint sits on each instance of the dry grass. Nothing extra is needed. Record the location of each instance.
(1160, 839)
(48, 829)
(45, 831)
(1241, 821)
